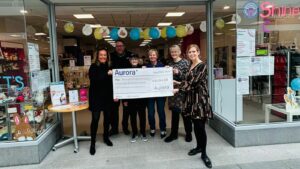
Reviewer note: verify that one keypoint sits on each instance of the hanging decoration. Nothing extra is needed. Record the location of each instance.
(164, 32)
(105, 31)
(30, 30)
(181, 31)
(114, 34)
(122, 33)
(154, 33)
(146, 33)
(171, 32)
(98, 34)
(190, 29)
(220, 23)
(141, 33)
(236, 18)
(87, 30)
(69, 27)
(203, 26)
(134, 34)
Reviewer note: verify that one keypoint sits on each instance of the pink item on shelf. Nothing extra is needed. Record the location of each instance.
(83, 94)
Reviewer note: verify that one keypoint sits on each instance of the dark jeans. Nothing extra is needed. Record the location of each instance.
(200, 133)
(94, 124)
(114, 120)
(175, 122)
(135, 110)
(160, 105)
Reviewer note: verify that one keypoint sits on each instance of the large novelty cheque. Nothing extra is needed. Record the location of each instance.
(142, 83)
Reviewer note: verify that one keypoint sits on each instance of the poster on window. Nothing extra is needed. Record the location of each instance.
(245, 42)
(58, 94)
(33, 57)
(142, 83)
(40, 80)
(87, 60)
(242, 85)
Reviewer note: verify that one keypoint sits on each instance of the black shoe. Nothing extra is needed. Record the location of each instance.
(107, 142)
(194, 151)
(170, 138)
(206, 161)
(92, 149)
(126, 131)
(188, 138)
(112, 132)
(152, 133)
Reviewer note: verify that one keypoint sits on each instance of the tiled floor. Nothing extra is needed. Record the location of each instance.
(155, 154)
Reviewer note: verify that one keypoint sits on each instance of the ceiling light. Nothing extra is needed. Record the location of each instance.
(23, 11)
(142, 44)
(15, 36)
(233, 29)
(174, 14)
(108, 39)
(231, 22)
(218, 33)
(106, 36)
(226, 7)
(40, 34)
(111, 41)
(164, 24)
(96, 26)
(147, 40)
(83, 16)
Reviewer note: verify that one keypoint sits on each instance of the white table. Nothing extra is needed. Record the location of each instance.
(280, 107)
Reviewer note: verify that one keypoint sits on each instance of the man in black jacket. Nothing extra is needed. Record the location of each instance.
(120, 59)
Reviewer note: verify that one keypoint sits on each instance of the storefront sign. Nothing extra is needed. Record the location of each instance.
(17, 79)
(142, 83)
(250, 9)
(269, 9)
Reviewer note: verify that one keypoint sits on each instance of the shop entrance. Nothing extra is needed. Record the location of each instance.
(78, 37)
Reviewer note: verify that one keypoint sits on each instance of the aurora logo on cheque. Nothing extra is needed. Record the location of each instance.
(250, 9)
(125, 72)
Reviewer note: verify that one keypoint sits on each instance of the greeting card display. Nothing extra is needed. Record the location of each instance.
(58, 94)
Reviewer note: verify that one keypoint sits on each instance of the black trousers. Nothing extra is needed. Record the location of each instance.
(135, 110)
(200, 133)
(114, 120)
(95, 121)
(175, 122)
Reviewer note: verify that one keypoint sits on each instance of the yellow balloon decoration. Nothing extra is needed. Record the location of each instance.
(164, 32)
(69, 27)
(220, 23)
(181, 31)
(98, 34)
(146, 33)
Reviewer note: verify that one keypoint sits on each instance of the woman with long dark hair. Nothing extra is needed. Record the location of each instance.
(197, 102)
(100, 96)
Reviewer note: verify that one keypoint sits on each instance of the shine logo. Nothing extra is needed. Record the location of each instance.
(250, 9)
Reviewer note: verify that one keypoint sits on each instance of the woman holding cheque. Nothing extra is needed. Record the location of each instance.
(180, 68)
(197, 102)
(100, 96)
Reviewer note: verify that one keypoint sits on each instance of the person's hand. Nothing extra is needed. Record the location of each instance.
(109, 72)
(125, 104)
(176, 82)
(143, 67)
(116, 100)
(175, 71)
(167, 66)
(175, 91)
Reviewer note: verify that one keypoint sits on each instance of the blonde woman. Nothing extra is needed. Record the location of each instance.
(160, 101)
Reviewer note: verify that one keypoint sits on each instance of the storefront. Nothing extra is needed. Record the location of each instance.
(251, 48)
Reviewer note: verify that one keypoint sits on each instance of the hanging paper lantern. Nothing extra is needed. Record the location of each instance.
(203, 26)
(69, 27)
(181, 31)
(295, 84)
(146, 33)
(164, 32)
(122, 33)
(134, 34)
(220, 23)
(189, 29)
(98, 34)
(141, 33)
(114, 34)
(154, 33)
(45, 28)
(87, 30)
(105, 31)
(171, 32)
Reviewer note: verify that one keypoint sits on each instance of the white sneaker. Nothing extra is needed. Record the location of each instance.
(152, 133)
(134, 138)
(144, 138)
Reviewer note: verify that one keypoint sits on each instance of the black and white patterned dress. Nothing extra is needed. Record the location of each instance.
(176, 101)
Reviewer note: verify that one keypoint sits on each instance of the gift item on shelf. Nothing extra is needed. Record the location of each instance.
(76, 77)
(39, 116)
(23, 130)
